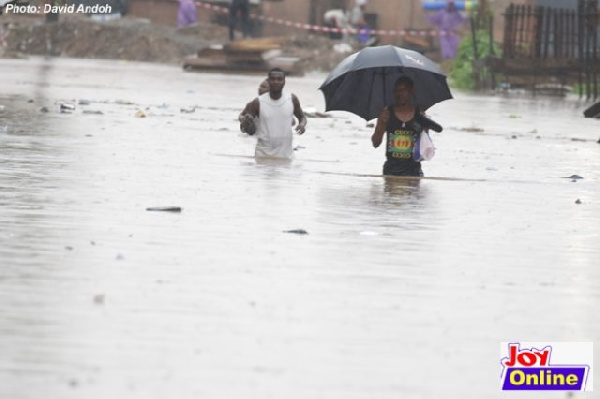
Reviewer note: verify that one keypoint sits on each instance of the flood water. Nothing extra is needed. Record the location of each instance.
(401, 288)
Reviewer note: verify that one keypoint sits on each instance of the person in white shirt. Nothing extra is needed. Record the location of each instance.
(275, 111)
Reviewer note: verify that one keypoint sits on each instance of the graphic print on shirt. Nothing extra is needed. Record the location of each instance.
(401, 143)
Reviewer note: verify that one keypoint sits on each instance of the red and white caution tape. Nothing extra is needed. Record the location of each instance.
(317, 28)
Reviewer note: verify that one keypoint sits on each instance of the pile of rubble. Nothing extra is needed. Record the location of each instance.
(137, 39)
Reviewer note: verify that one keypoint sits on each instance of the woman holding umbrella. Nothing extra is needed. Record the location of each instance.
(401, 123)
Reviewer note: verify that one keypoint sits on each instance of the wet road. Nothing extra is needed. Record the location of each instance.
(402, 288)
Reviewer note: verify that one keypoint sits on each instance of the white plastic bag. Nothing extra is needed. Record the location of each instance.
(424, 149)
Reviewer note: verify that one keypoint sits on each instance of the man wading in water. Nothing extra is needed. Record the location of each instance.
(275, 111)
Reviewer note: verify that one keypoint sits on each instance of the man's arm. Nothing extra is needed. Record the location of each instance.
(299, 113)
(246, 117)
(382, 121)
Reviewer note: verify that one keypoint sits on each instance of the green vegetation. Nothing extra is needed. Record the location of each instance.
(461, 74)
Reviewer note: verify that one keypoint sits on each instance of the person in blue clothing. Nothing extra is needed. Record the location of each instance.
(401, 124)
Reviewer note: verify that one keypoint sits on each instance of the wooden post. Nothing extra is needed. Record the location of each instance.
(492, 52)
(475, 64)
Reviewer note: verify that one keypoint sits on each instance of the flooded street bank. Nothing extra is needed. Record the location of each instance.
(401, 288)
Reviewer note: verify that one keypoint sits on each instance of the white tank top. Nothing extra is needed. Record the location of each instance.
(274, 131)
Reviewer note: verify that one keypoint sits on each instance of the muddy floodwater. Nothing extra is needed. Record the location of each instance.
(401, 288)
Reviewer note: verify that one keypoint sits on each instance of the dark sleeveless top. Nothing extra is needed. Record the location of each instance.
(400, 141)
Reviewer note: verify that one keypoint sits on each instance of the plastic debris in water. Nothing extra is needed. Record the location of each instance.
(67, 107)
(573, 177)
(164, 208)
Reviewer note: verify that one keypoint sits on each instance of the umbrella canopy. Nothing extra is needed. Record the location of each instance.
(363, 83)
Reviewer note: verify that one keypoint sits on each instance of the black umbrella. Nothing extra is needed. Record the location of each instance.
(363, 83)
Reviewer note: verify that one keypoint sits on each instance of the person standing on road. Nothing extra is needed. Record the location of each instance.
(241, 7)
(187, 13)
(274, 111)
(337, 19)
(448, 21)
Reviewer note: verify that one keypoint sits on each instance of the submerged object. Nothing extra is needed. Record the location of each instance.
(296, 231)
(164, 208)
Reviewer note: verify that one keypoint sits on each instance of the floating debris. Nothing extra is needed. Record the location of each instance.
(91, 112)
(578, 201)
(190, 110)
(67, 107)
(296, 231)
(472, 129)
(44, 109)
(84, 102)
(140, 114)
(164, 209)
(99, 299)
(573, 177)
